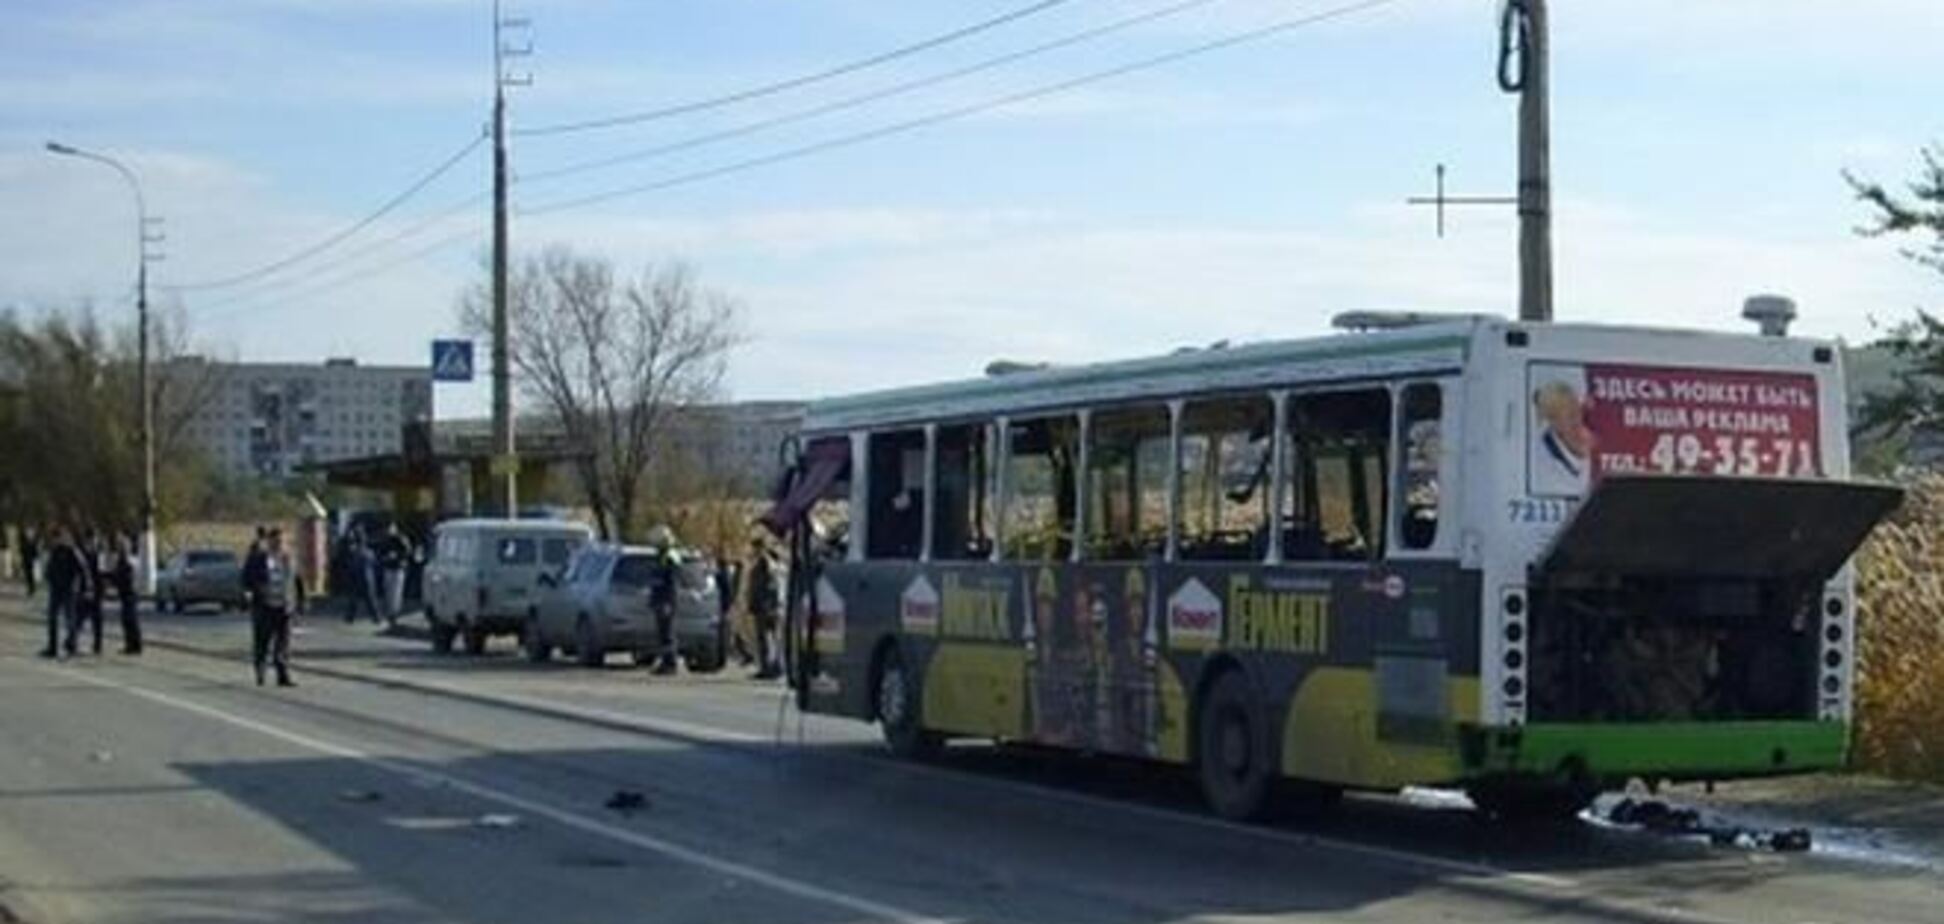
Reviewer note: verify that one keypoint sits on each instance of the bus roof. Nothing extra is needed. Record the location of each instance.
(1414, 350)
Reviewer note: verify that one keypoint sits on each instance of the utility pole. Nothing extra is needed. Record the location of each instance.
(1524, 69)
(506, 459)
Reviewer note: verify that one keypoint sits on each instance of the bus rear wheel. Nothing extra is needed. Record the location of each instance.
(1232, 754)
(897, 703)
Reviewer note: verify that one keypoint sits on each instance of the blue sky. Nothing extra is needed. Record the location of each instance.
(1245, 194)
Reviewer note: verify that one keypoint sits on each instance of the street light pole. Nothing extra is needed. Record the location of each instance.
(147, 570)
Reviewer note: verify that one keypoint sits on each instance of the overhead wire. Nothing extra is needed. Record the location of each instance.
(960, 112)
(862, 99)
(804, 80)
(342, 234)
(242, 306)
(370, 247)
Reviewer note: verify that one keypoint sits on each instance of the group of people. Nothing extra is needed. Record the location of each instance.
(372, 569)
(79, 571)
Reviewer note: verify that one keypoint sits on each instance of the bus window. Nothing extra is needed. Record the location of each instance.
(1226, 464)
(897, 501)
(1127, 484)
(962, 529)
(1417, 483)
(1039, 489)
(1337, 470)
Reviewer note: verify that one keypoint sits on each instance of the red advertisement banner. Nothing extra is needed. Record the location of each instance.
(1588, 421)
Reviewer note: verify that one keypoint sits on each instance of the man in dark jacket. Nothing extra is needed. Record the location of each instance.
(29, 557)
(765, 595)
(270, 579)
(87, 606)
(663, 584)
(67, 580)
(124, 577)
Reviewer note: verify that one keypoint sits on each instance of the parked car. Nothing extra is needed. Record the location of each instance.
(200, 576)
(599, 604)
(484, 576)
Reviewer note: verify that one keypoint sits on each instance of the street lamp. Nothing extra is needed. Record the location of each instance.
(147, 576)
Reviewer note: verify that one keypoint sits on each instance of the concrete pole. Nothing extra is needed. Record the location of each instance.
(1535, 172)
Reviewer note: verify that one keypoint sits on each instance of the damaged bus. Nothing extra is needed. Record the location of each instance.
(1529, 560)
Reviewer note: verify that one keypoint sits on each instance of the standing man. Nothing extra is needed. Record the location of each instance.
(124, 576)
(393, 552)
(93, 596)
(661, 596)
(66, 582)
(361, 571)
(726, 575)
(271, 580)
(29, 556)
(765, 592)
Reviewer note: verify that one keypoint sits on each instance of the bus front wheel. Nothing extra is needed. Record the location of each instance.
(1232, 754)
(898, 706)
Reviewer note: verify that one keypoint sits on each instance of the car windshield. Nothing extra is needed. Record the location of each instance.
(203, 559)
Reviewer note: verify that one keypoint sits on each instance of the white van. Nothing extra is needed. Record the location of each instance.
(484, 575)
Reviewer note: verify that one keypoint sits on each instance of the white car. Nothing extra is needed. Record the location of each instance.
(599, 604)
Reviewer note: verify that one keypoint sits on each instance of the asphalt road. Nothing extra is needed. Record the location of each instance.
(400, 787)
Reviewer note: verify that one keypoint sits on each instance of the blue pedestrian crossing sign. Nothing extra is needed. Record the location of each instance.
(452, 360)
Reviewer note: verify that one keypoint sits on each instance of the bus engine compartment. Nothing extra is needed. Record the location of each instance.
(1617, 648)
(1686, 598)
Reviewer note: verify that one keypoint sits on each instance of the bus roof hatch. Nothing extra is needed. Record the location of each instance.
(1715, 526)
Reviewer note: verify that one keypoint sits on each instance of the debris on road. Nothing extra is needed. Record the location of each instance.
(627, 800)
(1658, 817)
(102, 756)
(360, 795)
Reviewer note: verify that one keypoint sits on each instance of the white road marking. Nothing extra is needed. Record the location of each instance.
(797, 887)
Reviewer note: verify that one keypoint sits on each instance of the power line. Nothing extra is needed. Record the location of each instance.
(253, 305)
(898, 128)
(341, 235)
(862, 99)
(369, 248)
(792, 83)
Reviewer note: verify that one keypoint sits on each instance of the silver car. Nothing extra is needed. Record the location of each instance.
(200, 576)
(599, 604)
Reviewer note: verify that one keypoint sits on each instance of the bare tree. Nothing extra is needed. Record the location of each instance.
(610, 361)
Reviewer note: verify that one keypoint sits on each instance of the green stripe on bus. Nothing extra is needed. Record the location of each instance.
(1667, 748)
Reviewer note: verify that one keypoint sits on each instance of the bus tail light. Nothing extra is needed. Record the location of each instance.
(1513, 637)
(1833, 691)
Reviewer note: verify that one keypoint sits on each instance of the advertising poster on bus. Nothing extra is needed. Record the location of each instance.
(1586, 421)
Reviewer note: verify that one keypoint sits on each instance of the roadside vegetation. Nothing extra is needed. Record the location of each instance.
(1900, 635)
(1900, 571)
